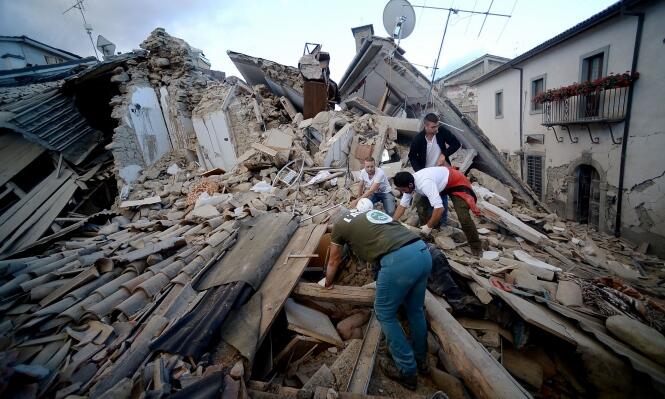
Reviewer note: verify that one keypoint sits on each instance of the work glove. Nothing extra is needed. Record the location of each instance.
(426, 230)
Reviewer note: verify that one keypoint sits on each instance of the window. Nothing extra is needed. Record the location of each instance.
(534, 173)
(537, 87)
(50, 59)
(592, 68)
(593, 65)
(498, 104)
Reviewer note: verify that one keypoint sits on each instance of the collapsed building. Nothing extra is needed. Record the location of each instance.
(197, 276)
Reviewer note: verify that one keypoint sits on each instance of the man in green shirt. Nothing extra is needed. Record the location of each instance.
(402, 280)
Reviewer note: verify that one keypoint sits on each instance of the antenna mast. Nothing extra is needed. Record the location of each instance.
(88, 28)
(445, 29)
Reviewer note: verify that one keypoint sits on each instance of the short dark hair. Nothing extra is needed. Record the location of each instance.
(370, 159)
(402, 179)
(431, 117)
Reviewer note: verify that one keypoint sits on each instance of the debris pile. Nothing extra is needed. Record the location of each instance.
(202, 278)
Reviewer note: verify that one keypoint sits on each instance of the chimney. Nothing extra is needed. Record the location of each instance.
(362, 33)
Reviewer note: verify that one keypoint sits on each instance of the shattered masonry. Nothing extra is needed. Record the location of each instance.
(194, 277)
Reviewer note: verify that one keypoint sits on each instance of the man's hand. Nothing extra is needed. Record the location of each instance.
(441, 161)
(426, 230)
(330, 287)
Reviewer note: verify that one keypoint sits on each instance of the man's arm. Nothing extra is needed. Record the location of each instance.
(414, 157)
(399, 212)
(372, 190)
(450, 140)
(361, 187)
(334, 259)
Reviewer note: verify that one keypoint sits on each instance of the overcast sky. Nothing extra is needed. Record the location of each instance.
(279, 29)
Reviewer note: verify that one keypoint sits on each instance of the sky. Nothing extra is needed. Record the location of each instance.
(278, 29)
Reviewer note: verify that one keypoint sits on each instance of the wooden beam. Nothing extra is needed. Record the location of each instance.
(283, 277)
(264, 149)
(481, 373)
(510, 222)
(384, 99)
(362, 372)
(278, 391)
(339, 294)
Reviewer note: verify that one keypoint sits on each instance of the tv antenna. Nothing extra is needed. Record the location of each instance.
(445, 29)
(88, 27)
(399, 19)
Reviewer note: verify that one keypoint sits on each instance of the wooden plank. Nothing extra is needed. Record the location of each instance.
(295, 349)
(38, 222)
(481, 373)
(156, 199)
(264, 149)
(288, 107)
(510, 222)
(481, 293)
(362, 372)
(311, 322)
(361, 104)
(485, 325)
(384, 99)
(22, 210)
(283, 277)
(339, 294)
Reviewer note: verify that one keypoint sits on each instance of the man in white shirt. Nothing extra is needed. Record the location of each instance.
(375, 187)
(434, 184)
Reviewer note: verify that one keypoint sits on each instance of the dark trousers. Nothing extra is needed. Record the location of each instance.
(468, 226)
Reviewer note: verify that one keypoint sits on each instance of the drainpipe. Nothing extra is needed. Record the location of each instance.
(521, 122)
(626, 123)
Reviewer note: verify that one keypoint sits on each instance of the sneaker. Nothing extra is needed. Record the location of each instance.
(439, 395)
(390, 370)
(423, 367)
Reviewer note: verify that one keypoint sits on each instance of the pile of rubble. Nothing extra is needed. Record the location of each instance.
(201, 280)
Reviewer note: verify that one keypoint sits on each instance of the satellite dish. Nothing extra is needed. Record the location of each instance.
(105, 46)
(399, 19)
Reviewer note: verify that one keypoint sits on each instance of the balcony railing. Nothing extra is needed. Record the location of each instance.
(602, 106)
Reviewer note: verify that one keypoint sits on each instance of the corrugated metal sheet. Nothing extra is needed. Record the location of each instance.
(52, 120)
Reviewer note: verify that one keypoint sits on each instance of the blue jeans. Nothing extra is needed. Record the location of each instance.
(403, 280)
(387, 199)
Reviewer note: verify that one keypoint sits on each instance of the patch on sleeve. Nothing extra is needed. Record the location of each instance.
(378, 217)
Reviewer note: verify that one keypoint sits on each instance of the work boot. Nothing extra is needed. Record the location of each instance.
(423, 367)
(391, 371)
(477, 252)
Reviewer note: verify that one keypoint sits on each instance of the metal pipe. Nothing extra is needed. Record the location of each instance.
(436, 63)
(521, 119)
(318, 213)
(626, 123)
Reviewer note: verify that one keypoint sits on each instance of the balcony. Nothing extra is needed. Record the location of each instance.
(601, 101)
(600, 106)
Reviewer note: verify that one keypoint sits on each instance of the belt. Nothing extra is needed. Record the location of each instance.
(414, 240)
(459, 189)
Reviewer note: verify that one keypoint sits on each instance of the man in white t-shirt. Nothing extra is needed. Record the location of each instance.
(374, 186)
(434, 184)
